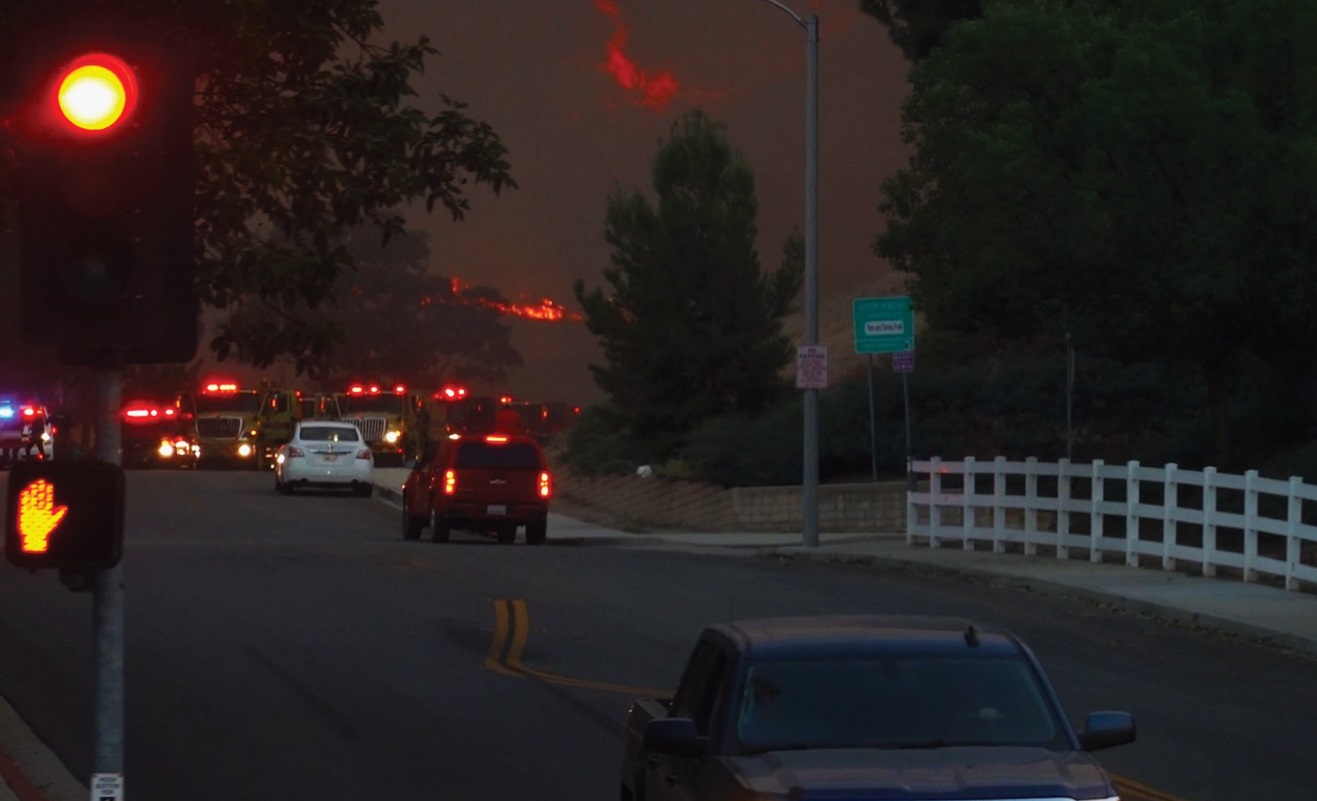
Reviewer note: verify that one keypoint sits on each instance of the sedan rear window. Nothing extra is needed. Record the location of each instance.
(330, 434)
(483, 455)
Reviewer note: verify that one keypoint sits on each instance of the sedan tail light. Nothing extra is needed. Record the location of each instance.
(294, 452)
(364, 453)
(545, 487)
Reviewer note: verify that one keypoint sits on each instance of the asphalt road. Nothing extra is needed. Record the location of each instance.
(298, 648)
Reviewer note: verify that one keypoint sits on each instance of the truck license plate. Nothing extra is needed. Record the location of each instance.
(497, 509)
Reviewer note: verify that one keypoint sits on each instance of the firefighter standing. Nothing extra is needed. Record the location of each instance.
(33, 435)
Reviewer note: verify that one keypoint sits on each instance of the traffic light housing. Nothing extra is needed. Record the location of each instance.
(66, 515)
(106, 178)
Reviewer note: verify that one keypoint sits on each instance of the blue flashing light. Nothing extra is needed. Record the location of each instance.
(6, 412)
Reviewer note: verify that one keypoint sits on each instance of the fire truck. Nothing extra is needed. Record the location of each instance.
(242, 427)
(154, 433)
(395, 422)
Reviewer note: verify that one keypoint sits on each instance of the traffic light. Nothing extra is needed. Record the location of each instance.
(66, 515)
(106, 179)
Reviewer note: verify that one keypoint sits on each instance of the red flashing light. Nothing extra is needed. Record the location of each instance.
(496, 439)
(505, 399)
(451, 393)
(221, 386)
(399, 389)
(29, 411)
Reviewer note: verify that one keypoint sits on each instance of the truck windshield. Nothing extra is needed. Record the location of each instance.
(375, 404)
(927, 701)
(244, 402)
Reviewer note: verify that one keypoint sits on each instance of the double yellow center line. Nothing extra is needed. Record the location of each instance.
(512, 631)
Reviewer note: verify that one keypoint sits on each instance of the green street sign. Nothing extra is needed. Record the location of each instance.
(884, 325)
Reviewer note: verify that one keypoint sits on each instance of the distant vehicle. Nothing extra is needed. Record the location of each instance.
(21, 423)
(326, 454)
(228, 424)
(492, 484)
(863, 707)
(154, 433)
(394, 420)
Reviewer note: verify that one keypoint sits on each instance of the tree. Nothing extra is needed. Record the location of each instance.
(409, 324)
(692, 327)
(918, 26)
(1139, 175)
(307, 127)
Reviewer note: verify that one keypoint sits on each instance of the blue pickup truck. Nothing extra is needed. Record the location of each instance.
(863, 707)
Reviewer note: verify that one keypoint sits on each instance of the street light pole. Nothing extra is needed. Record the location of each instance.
(810, 493)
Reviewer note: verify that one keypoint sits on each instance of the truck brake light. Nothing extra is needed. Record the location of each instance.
(450, 482)
(545, 488)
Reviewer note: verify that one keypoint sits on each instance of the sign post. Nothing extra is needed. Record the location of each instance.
(886, 325)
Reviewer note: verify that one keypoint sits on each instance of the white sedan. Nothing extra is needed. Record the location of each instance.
(324, 453)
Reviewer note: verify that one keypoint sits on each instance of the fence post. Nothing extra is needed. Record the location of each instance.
(1030, 505)
(1170, 503)
(1292, 533)
(1209, 521)
(1096, 523)
(1132, 514)
(967, 516)
(1062, 508)
(999, 504)
(934, 500)
(1250, 523)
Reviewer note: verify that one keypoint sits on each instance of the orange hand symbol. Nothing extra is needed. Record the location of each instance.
(38, 515)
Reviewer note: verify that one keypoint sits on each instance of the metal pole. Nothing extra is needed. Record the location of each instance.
(108, 600)
(873, 425)
(810, 511)
(905, 397)
(1069, 397)
(810, 494)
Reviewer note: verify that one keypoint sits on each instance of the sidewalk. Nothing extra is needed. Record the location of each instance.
(1284, 619)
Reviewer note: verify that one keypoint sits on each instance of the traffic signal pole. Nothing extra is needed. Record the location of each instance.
(108, 611)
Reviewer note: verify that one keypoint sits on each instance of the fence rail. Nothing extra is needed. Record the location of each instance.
(1245, 524)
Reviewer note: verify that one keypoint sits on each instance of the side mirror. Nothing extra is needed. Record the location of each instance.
(1107, 729)
(675, 736)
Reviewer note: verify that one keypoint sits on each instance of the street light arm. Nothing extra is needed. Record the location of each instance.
(789, 13)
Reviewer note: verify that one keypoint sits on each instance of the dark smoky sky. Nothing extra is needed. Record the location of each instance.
(582, 92)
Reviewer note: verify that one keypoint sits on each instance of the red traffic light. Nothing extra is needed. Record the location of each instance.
(95, 92)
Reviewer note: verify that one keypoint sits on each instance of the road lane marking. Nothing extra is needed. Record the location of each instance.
(512, 632)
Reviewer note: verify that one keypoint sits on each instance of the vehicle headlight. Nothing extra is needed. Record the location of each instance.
(245, 449)
(166, 449)
(392, 437)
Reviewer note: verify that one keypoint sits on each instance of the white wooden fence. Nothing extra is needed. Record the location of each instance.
(1248, 524)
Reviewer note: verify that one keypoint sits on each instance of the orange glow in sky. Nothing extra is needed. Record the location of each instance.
(654, 90)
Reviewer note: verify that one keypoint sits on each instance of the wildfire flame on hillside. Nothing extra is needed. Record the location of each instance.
(545, 310)
(654, 90)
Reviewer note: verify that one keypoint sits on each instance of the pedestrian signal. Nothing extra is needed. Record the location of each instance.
(66, 515)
